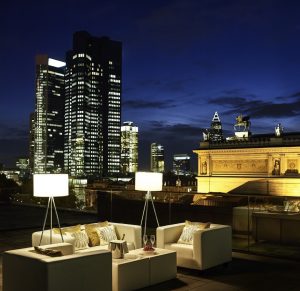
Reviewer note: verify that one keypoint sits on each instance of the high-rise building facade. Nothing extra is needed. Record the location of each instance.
(215, 133)
(31, 142)
(48, 116)
(157, 158)
(181, 164)
(93, 106)
(129, 147)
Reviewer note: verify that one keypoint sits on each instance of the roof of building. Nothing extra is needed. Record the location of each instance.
(255, 140)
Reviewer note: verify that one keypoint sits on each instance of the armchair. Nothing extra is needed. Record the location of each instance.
(210, 247)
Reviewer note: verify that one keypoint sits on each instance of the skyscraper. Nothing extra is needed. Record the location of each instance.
(215, 132)
(181, 164)
(48, 115)
(157, 158)
(129, 147)
(93, 106)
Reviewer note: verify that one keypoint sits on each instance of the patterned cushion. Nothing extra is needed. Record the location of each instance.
(200, 225)
(91, 231)
(106, 234)
(69, 229)
(189, 229)
(81, 239)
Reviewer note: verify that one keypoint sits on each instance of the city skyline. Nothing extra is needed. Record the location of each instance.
(182, 61)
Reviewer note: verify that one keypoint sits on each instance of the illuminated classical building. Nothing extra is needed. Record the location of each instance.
(48, 116)
(250, 164)
(129, 147)
(157, 158)
(181, 164)
(93, 106)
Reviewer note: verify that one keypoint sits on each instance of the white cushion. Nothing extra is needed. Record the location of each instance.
(106, 234)
(81, 239)
(189, 229)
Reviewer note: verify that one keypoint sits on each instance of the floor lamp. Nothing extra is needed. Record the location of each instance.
(148, 181)
(50, 185)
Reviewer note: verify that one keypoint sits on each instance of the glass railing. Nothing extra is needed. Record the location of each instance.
(265, 225)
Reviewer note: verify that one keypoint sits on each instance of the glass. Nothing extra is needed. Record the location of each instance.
(152, 240)
(145, 239)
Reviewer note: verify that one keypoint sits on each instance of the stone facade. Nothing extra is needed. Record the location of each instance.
(269, 168)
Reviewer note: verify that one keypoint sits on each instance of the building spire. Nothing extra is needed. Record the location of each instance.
(216, 117)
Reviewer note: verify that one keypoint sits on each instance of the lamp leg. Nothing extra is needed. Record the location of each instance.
(57, 219)
(143, 211)
(45, 221)
(51, 204)
(154, 208)
(145, 225)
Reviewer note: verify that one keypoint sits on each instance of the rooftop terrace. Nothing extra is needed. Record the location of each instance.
(245, 272)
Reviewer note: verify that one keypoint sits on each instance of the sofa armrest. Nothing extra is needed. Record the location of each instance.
(133, 233)
(212, 246)
(168, 234)
(26, 270)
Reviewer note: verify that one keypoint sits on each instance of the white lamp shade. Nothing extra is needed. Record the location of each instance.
(50, 185)
(148, 181)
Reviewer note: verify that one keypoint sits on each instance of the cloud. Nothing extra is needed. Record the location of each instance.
(8, 132)
(254, 107)
(144, 104)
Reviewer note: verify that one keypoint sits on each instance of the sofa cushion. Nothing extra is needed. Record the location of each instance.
(81, 239)
(91, 231)
(69, 229)
(106, 234)
(182, 250)
(189, 229)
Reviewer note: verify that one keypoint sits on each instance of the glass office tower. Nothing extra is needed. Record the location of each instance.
(181, 164)
(129, 147)
(48, 116)
(93, 106)
(157, 158)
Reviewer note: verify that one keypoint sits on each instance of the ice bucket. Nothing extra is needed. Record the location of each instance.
(118, 248)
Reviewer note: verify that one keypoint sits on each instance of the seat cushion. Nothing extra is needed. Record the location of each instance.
(182, 250)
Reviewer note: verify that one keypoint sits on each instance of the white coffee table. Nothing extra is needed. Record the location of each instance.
(139, 269)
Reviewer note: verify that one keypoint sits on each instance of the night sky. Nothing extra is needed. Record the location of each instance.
(182, 61)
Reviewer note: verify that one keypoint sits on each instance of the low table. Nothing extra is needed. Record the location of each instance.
(139, 269)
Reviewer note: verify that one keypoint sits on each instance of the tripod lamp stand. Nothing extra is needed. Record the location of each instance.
(50, 185)
(148, 181)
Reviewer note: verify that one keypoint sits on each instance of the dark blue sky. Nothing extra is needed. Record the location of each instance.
(182, 61)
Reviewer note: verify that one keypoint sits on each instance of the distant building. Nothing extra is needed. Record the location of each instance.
(157, 158)
(181, 164)
(48, 116)
(129, 147)
(215, 133)
(22, 165)
(266, 164)
(93, 106)
(31, 142)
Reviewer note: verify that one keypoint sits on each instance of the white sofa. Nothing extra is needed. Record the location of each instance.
(132, 236)
(24, 269)
(211, 246)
